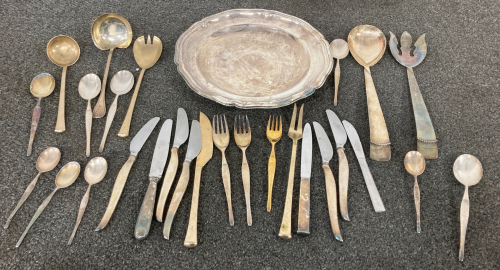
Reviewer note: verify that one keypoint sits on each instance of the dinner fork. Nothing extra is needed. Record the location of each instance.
(220, 136)
(295, 133)
(243, 136)
(273, 133)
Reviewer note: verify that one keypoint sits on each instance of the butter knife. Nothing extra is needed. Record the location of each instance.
(305, 176)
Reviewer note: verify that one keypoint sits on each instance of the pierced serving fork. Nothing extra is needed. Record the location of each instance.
(426, 137)
(273, 133)
(243, 136)
(220, 135)
(295, 133)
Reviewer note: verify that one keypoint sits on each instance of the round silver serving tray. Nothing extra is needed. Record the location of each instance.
(253, 58)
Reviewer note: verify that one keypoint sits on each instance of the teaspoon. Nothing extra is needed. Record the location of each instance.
(415, 165)
(89, 88)
(339, 50)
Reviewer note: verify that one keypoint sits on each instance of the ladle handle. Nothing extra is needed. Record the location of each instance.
(125, 129)
(167, 183)
(109, 120)
(191, 239)
(83, 206)
(100, 107)
(146, 213)
(34, 124)
(88, 126)
(337, 80)
(331, 197)
(25, 196)
(61, 124)
(343, 183)
(464, 219)
(176, 198)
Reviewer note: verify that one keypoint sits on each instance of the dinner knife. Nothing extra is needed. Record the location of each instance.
(194, 147)
(340, 139)
(181, 135)
(378, 205)
(160, 156)
(135, 146)
(207, 149)
(305, 176)
(326, 150)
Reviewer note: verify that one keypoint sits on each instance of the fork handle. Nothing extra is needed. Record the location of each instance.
(286, 223)
(125, 129)
(245, 175)
(271, 169)
(226, 180)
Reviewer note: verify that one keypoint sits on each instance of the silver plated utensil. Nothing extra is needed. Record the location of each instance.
(415, 165)
(242, 137)
(89, 88)
(305, 181)
(339, 49)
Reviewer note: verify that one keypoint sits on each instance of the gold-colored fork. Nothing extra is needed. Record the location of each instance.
(220, 135)
(243, 136)
(295, 134)
(273, 133)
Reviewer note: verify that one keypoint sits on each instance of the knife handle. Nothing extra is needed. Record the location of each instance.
(226, 179)
(191, 239)
(271, 169)
(245, 175)
(304, 204)
(146, 214)
(331, 197)
(343, 183)
(117, 192)
(286, 222)
(378, 205)
(176, 198)
(167, 183)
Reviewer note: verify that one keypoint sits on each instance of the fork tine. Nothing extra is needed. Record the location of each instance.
(269, 123)
(294, 115)
(214, 131)
(235, 125)
(274, 123)
(299, 127)
(227, 129)
(281, 126)
(247, 124)
(149, 40)
(218, 125)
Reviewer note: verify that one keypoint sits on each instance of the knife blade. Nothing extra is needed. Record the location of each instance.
(326, 150)
(305, 175)
(181, 128)
(135, 146)
(160, 156)
(207, 149)
(340, 137)
(377, 203)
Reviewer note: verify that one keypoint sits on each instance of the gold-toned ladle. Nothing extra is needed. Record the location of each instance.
(415, 165)
(41, 86)
(66, 176)
(62, 51)
(47, 161)
(94, 172)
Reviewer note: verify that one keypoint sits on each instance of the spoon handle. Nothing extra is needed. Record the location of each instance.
(146, 214)
(464, 219)
(88, 126)
(83, 206)
(27, 192)
(167, 182)
(331, 197)
(100, 107)
(37, 214)
(109, 120)
(176, 198)
(125, 129)
(416, 196)
(34, 124)
(191, 239)
(337, 80)
(61, 124)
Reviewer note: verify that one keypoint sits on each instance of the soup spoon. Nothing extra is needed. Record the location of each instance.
(415, 165)
(94, 172)
(339, 50)
(47, 161)
(41, 86)
(89, 88)
(66, 176)
(468, 171)
(62, 51)
(121, 83)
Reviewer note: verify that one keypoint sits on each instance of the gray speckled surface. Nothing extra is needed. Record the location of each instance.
(459, 80)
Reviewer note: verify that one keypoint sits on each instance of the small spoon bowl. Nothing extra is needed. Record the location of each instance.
(367, 44)
(68, 174)
(48, 159)
(89, 86)
(63, 51)
(122, 82)
(468, 170)
(414, 163)
(111, 31)
(339, 48)
(95, 170)
(42, 85)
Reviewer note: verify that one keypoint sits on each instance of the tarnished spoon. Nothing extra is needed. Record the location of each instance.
(89, 88)
(47, 161)
(339, 49)
(415, 165)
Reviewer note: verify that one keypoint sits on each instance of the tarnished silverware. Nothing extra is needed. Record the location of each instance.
(273, 134)
(242, 137)
(146, 54)
(468, 171)
(415, 165)
(62, 51)
(305, 180)
(339, 49)
(41, 86)
(89, 88)
(47, 161)
(367, 45)
(109, 31)
(426, 137)
(295, 133)
(220, 135)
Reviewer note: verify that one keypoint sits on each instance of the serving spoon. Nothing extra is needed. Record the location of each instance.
(367, 45)
(468, 171)
(94, 172)
(339, 49)
(66, 176)
(121, 83)
(41, 86)
(415, 165)
(62, 51)
(89, 88)
(109, 31)
(47, 161)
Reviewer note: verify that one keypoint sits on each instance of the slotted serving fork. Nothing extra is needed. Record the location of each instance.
(273, 133)
(243, 136)
(295, 134)
(220, 135)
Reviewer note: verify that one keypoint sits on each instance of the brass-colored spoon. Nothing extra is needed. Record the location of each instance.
(89, 88)
(109, 31)
(47, 161)
(66, 176)
(415, 165)
(62, 51)
(339, 49)
(468, 171)
(41, 86)
(94, 172)
(146, 54)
